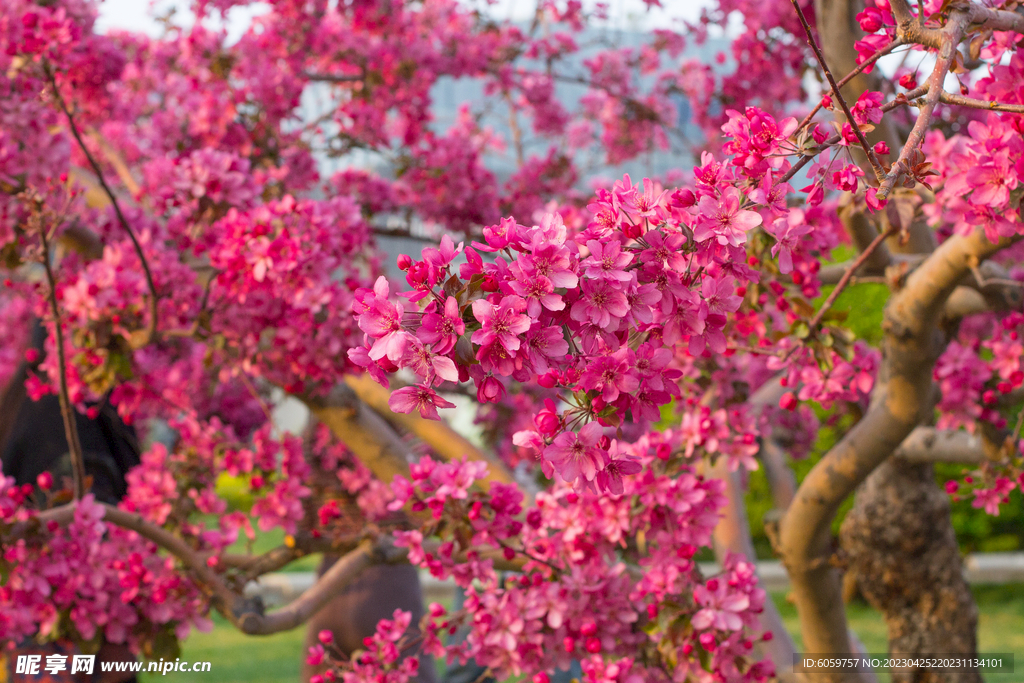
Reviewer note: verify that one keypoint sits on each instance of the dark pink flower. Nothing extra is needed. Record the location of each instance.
(442, 329)
(418, 397)
(600, 305)
(722, 219)
(576, 455)
(502, 323)
(607, 261)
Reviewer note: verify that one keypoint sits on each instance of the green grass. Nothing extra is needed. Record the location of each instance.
(1000, 626)
(237, 658)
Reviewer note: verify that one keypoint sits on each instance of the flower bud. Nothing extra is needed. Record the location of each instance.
(788, 401)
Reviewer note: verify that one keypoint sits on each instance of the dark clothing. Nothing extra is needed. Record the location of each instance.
(33, 442)
(37, 444)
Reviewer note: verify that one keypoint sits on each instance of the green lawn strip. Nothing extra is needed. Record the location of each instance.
(1000, 626)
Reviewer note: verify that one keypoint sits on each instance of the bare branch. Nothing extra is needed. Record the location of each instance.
(334, 580)
(445, 441)
(67, 411)
(245, 614)
(950, 98)
(224, 600)
(910, 28)
(151, 329)
(930, 445)
(952, 33)
(875, 165)
(845, 279)
(332, 78)
(902, 401)
(363, 431)
(988, 19)
(393, 232)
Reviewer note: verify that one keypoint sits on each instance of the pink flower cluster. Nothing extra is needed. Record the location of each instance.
(574, 597)
(94, 579)
(650, 265)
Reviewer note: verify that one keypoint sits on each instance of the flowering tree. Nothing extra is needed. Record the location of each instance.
(629, 352)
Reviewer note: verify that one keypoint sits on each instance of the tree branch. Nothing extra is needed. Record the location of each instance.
(245, 614)
(845, 279)
(151, 329)
(950, 98)
(806, 157)
(872, 159)
(363, 431)
(223, 599)
(67, 411)
(881, 52)
(902, 401)
(444, 440)
(951, 35)
(930, 445)
(332, 78)
(334, 580)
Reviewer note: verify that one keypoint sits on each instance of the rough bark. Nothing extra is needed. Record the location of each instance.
(902, 551)
(900, 544)
(902, 402)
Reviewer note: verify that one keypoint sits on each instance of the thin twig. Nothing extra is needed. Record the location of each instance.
(333, 78)
(1017, 427)
(517, 134)
(984, 282)
(848, 275)
(153, 298)
(950, 98)
(879, 172)
(850, 76)
(67, 411)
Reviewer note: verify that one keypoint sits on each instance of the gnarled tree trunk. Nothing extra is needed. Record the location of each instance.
(903, 554)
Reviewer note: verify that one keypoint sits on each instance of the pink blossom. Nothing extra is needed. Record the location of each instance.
(576, 455)
(502, 323)
(723, 220)
(442, 329)
(418, 397)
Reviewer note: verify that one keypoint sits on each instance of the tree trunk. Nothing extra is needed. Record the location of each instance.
(903, 555)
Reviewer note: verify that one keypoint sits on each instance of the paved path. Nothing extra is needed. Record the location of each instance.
(983, 568)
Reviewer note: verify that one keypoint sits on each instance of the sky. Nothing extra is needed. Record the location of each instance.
(136, 15)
